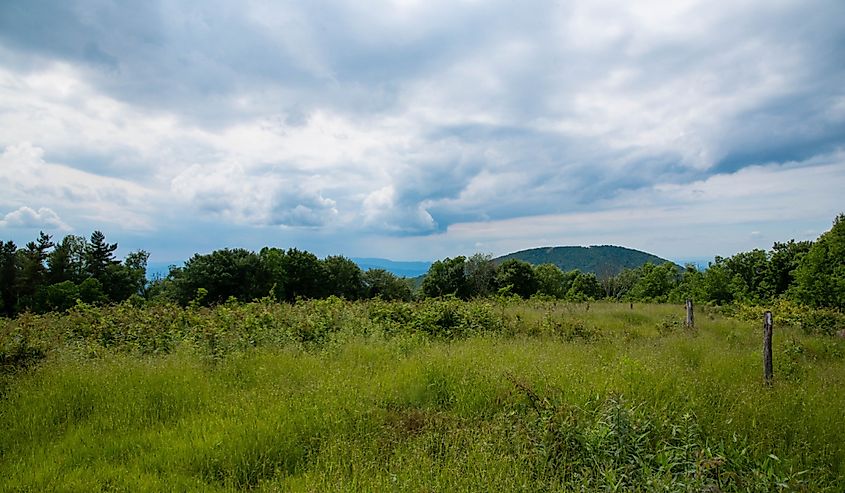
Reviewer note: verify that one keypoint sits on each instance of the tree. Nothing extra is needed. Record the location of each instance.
(716, 283)
(222, 273)
(32, 273)
(551, 281)
(583, 286)
(783, 261)
(305, 275)
(654, 282)
(99, 255)
(446, 277)
(689, 287)
(343, 278)
(379, 283)
(480, 274)
(749, 272)
(91, 291)
(60, 296)
(67, 260)
(122, 281)
(820, 276)
(620, 285)
(272, 278)
(517, 276)
(8, 278)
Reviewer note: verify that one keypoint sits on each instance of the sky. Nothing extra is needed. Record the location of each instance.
(417, 130)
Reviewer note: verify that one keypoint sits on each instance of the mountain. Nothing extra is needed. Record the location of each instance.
(401, 269)
(600, 260)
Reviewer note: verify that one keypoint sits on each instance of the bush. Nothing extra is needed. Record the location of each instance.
(823, 321)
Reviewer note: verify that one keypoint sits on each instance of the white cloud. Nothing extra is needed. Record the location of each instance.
(25, 217)
(26, 177)
(228, 191)
(383, 212)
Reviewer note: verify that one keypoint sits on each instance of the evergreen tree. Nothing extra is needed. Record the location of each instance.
(8, 278)
(32, 274)
(67, 260)
(99, 255)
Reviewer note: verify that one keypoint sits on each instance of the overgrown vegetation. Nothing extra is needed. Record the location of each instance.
(435, 395)
(279, 371)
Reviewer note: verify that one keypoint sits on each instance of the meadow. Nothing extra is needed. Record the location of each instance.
(437, 395)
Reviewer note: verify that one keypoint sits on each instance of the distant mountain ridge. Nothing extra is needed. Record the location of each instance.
(600, 260)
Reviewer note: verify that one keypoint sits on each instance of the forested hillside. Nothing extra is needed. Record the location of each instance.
(600, 260)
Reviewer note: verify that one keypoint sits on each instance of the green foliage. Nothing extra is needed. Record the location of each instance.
(517, 276)
(91, 291)
(820, 276)
(67, 260)
(99, 255)
(583, 286)
(446, 277)
(330, 395)
(379, 283)
(8, 278)
(823, 321)
(551, 281)
(60, 296)
(451, 318)
(654, 282)
(305, 276)
(343, 278)
(223, 273)
(783, 261)
(480, 272)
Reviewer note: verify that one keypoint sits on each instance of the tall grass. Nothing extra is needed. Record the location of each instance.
(439, 396)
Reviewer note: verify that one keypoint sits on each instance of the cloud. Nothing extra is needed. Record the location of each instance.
(713, 215)
(229, 192)
(403, 119)
(26, 217)
(26, 176)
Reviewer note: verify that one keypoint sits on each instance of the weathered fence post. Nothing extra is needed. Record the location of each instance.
(690, 321)
(767, 348)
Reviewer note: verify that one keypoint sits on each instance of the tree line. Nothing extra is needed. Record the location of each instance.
(46, 276)
(807, 272)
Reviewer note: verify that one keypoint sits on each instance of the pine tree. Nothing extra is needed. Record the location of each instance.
(99, 255)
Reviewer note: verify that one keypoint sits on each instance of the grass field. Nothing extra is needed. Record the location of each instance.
(434, 396)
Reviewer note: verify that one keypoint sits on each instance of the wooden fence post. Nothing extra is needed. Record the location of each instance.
(690, 321)
(767, 348)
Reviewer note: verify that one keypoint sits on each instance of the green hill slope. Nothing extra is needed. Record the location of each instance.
(600, 260)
